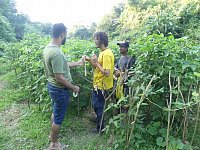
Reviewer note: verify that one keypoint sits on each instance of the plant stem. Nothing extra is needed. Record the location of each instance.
(138, 106)
(169, 113)
(196, 123)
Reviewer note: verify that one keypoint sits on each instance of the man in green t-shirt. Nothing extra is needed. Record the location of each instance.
(57, 71)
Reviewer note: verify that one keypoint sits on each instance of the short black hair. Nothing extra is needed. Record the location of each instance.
(102, 37)
(58, 29)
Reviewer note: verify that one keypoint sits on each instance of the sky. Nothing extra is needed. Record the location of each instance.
(70, 12)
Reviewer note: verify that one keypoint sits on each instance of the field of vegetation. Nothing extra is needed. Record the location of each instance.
(163, 104)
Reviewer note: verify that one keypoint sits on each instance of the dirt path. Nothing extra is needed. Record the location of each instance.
(9, 121)
(10, 117)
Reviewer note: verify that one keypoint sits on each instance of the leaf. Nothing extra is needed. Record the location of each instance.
(184, 67)
(195, 94)
(152, 130)
(193, 67)
(180, 145)
(160, 90)
(175, 92)
(163, 132)
(156, 124)
(144, 104)
(115, 123)
(197, 74)
(110, 120)
(160, 142)
(116, 146)
(138, 136)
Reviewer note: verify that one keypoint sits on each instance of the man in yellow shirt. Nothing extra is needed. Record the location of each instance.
(103, 76)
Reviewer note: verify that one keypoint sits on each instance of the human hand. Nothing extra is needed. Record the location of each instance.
(81, 61)
(87, 58)
(117, 73)
(94, 58)
(76, 89)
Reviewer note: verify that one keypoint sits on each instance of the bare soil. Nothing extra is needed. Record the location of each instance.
(10, 117)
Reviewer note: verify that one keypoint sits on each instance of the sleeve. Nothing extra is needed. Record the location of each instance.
(116, 64)
(57, 63)
(107, 62)
(131, 62)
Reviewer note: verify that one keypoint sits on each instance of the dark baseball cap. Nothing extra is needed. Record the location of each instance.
(124, 44)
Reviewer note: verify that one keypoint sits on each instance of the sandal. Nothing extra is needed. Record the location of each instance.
(57, 146)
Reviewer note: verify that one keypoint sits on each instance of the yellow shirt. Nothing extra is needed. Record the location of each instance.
(106, 60)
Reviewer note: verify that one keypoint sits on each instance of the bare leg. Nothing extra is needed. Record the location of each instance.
(52, 118)
(55, 129)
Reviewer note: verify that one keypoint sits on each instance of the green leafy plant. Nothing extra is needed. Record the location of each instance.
(163, 88)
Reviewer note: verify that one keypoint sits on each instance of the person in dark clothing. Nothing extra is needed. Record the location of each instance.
(122, 66)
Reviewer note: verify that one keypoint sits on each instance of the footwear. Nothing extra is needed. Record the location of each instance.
(57, 146)
(92, 117)
(95, 131)
(93, 120)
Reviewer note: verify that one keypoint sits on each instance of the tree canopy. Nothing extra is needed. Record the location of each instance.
(14, 25)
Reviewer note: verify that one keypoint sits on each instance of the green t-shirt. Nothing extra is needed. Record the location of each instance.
(55, 62)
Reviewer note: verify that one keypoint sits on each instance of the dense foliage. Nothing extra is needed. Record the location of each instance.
(139, 17)
(163, 96)
(14, 25)
(26, 59)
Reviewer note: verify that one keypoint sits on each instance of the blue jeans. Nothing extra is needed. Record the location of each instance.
(60, 100)
(98, 100)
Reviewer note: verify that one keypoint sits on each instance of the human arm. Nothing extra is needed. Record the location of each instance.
(92, 60)
(107, 64)
(75, 64)
(116, 70)
(105, 72)
(131, 62)
(57, 63)
(62, 80)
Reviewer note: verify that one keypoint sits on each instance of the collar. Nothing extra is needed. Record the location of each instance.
(103, 49)
(53, 45)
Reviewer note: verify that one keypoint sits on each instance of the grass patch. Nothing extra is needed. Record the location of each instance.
(30, 131)
(8, 97)
(4, 137)
(34, 127)
(33, 130)
(4, 66)
(76, 132)
(9, 92)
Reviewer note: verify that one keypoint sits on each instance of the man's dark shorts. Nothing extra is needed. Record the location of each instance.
(60, 100)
